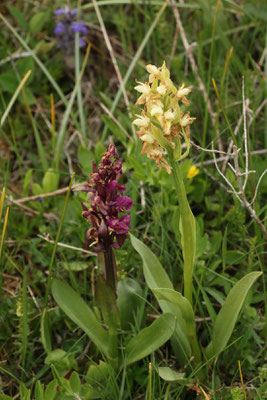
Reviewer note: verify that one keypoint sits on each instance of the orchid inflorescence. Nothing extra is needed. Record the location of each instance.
(162, 123)
(66, 28)
(109, 230)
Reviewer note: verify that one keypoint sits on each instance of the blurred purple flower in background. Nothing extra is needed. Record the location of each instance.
(66, 28)
(109, 230)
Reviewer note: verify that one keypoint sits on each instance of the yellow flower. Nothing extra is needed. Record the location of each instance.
(192, 172)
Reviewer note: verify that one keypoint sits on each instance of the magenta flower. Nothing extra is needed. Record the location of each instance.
(109, 228)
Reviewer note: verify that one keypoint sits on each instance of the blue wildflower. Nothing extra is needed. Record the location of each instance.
(67, 27)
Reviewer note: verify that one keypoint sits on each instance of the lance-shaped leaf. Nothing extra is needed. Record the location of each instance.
(228, 314)
(106, 301)
(156, 277)
(79, 312)
(179, 300)
(150, 339)
(46, 331)
(170, 375)
(188, 315)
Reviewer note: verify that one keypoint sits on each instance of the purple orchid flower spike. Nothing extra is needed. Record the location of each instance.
(107, 202)
(109, 228)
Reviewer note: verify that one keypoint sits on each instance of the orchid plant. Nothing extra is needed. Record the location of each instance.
(163, 127)
(104, 321)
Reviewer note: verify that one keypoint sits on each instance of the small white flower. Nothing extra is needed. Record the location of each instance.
(170, 115)
(156, 110)
(152, 69)
(182, 91)
(186, 120)
(143, 88)
(148, 137)
(141, 121)
(161, 89)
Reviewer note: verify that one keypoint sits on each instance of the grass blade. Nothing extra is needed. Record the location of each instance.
(62, 131)
(14, 97)
(49, 279)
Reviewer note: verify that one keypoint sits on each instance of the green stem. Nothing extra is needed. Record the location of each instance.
(110, 269)
(194, 345)
(187, 227)
(188, 231)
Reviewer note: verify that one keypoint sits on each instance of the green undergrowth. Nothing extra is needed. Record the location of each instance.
(43, 354)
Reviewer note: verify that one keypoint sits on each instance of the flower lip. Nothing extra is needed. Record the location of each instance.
(78, 27)
(183, 91)
(170, 115)
(148, 137)
(161, 89)
(60, 28)
(156, 110)
(142, 88)
(152, 69)
(141, 121)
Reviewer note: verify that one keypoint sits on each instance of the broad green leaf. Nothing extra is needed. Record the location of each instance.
(150, 339)
(27, 181)
(75, 382)
(170, 375)
(228, 314)
(38, 21)
(51, 390)
(79, 312)
(106, 301)
(37, 189)
(19, 17)
(97, 374)
(8, 83)
(39, 391)
(85, 157)
(24, 65)
(25, 394)
(46, 332)
(156, 277)
(50, 181)
(62, 361)
(129, 300)
(4, 397)
(29, 97)
(177, 299)
(188, 315)
(99, 150)
(75, 265)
